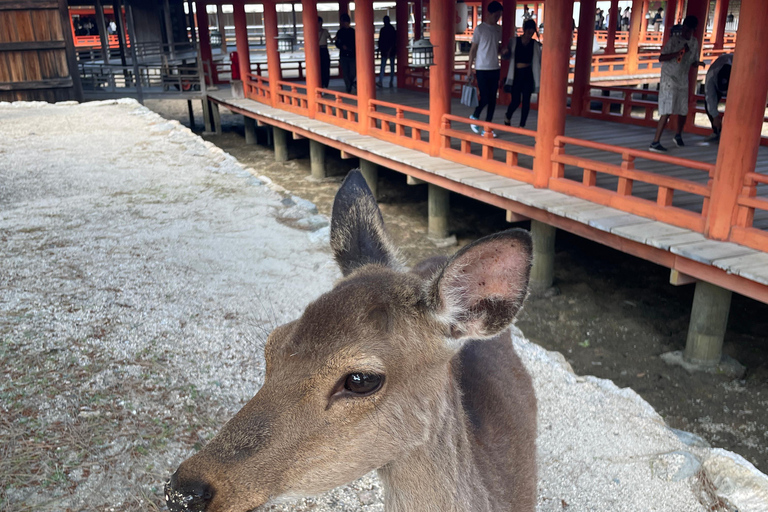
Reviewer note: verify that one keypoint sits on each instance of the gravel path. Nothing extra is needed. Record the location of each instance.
(140, 269)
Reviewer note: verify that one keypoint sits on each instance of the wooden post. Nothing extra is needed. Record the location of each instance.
(418, 14)
(169, 28)
(370, 172)
(543, 269)
(117, 9)
(280, 141)
(207, 129)
(700, 9)
(709, 319)
(317, 159)
(191, 112)
(718, 27)
(206, 56)
(273, 56)
(635, 28)
(241, 41)
(401, 20)
(507, 31)
(669, 19)
(680, 11)
(366, 75)
(134, 56)
(438, 207)
(216, 118)
(613, 22)
(583, 66)
(440, 83)
(743, 121)
(344, 7)
(311, 53)
(101, 24)
(250, 130)
(554, 67)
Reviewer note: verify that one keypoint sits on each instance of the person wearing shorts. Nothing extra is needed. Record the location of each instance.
(715, 88)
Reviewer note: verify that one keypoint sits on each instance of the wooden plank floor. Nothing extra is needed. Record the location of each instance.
(735, 260)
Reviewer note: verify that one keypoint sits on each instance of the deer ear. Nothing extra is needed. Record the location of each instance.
(358, 236)
(483, 286)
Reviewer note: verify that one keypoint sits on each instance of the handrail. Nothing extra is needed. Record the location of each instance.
(382, 125)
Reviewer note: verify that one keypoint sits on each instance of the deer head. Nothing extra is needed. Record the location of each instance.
(363, 377)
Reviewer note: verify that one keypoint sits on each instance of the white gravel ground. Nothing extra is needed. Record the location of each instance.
(111, 216)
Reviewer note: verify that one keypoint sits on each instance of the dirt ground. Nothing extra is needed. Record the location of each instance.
(610, 314)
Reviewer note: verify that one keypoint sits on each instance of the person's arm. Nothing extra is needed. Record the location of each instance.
(472, 55)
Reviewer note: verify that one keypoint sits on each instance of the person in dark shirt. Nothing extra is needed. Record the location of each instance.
(524, 75)
(387, 50)
(345, 42)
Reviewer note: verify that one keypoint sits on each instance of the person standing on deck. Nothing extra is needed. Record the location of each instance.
(484, 54)
(524, 75)
(387, 51)
(325, 57)
(715, 88)
(677, 57)
(345, 42)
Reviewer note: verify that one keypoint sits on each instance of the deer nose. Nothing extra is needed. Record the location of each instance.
(193, 496)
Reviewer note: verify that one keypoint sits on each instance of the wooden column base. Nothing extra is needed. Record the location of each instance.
(438, 206)
(280, 140)
(709, 318)
(543, 269)
(317, 159)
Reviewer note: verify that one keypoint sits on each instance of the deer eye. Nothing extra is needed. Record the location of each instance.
(363, 383)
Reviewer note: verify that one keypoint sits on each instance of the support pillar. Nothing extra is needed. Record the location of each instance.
(700, 9)
(166, 9)
(438, 207)
(311, 53)
(317, 159)
(366, 75)
(709, 319)
(401, 20)
(613, 22)
(669, 19)
(343, 7)
(440, 83)
(205, 42)
(250, 130)
(583, 66)
(507, 31)
(273, 56)
(280, 141)
(720, 19)
(216, 118)
(191, 112)
(635, 28)
(543, 268)
(743, 121)
(555, 59)
(241, 41)
(418, 15)
(101, 24)
(370, 172)
(207, 116)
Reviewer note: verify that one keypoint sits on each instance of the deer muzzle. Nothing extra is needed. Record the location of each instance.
(187, 496)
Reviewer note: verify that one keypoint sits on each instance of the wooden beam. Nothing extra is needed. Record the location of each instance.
(516, 217)
(53, 83)
(22, 46)
(297, 136)
(410, 180)
(677, 278)
(346, 156)
(28, 4)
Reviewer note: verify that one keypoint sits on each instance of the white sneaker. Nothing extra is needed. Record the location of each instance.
(493, 134)
(474, 127)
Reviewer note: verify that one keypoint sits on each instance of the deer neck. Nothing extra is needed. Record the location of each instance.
(440, 475)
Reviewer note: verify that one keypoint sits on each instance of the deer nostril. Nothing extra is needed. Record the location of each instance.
(187, 496)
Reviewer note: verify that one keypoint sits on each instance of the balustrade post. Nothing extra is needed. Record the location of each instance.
(441, 74)
(583, 65)
(311, 53)
(743, 121)
(366, 77)
(273, 56)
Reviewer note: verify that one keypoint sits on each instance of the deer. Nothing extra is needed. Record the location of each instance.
(410, 372)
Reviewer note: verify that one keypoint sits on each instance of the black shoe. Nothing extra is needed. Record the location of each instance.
(679, 141)
(656, 147)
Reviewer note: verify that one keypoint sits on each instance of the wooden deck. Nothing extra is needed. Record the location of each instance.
(731, 266)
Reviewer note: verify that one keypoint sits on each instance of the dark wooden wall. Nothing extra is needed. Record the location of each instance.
(37, 59)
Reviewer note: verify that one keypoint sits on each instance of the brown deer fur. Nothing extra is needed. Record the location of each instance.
(453, 425)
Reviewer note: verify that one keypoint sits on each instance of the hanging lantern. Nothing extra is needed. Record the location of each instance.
(462, 15)
(422, 54)
(284, 43)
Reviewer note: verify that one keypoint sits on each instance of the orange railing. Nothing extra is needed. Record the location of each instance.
(630, 189)
(257, 88)
(341, 110)
(481, 151)
(388, 122)
(292, 97)
(743, 231)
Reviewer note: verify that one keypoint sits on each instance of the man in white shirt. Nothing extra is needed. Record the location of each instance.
(484, 54)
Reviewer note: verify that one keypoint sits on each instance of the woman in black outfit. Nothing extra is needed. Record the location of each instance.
(524, 71)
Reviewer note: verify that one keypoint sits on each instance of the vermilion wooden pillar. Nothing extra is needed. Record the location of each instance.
(273, 56)
(344, 7)
(718, 28)
(401, 19)
(366, 77)
(583, 66)
(700, 9)
(241, 40)
(743, 120)
(555, 57)
(418, 14)
(442, 36)
(669, 19)
(205, 40)
(311, 52)
(613, 21)
(507, 31)
(635, 28)
(680, 10)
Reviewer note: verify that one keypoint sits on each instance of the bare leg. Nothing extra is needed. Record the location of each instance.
(660, 127)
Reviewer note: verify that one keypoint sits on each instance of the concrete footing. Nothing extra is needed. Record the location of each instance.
(280, 140)
(250, 130)
(709, 318)
(371, 174)
(543, 269)
(438, 206)
(317, 159)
